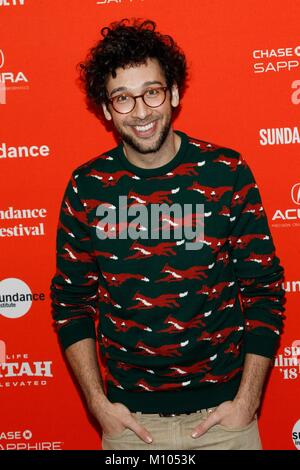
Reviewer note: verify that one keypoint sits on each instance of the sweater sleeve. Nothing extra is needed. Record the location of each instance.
(74, 286)
(258, 270)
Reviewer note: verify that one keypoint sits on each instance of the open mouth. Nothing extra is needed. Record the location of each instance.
(144, 128)
(145, 131)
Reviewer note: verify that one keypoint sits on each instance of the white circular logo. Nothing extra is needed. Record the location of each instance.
(1, 58)
(296, 435)
(295, 193)
(27, 434)
(297, 50)
(15, 298)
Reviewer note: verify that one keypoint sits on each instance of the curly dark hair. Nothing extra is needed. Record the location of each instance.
(130, 42)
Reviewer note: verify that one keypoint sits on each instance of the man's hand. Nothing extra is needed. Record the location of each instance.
(229, 413)
(115, 417)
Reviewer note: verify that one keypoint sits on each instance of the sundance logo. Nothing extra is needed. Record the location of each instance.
(279, 136)
(291, 286)
(23, 151)
(23, 229)
(16, 298)
(288, 362)
(296, 435)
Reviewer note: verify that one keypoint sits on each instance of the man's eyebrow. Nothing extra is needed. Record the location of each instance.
(120, 88)
(123, 88)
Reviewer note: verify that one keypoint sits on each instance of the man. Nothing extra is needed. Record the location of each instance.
(188, 325)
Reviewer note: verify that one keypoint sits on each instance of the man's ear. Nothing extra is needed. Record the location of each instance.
(175, 95)
(106, 112)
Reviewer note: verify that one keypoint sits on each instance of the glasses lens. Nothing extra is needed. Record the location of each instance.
(123, 103)
(154, 97)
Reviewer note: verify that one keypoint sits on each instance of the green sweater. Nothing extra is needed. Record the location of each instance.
(174, 323)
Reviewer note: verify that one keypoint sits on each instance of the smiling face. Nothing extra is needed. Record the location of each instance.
(144, 129)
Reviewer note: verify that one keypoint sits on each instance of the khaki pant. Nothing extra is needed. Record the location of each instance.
(174, 433)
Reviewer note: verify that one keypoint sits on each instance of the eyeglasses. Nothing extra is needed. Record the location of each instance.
(125, 102)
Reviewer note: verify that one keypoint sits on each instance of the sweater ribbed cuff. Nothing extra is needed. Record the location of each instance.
(261, 345)
(75, 331)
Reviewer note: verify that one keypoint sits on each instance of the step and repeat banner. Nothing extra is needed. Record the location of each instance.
(243, 92)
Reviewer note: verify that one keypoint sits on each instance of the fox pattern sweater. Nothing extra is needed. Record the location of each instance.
(173, 324)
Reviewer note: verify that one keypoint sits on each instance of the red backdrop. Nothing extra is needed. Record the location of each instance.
(244, 92)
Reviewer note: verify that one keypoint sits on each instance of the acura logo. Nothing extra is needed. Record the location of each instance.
(295, 193)
(1, 59)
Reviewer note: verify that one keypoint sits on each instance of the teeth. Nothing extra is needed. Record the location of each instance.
(144, 128)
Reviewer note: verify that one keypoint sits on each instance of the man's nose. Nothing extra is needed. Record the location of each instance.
(141, 110)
